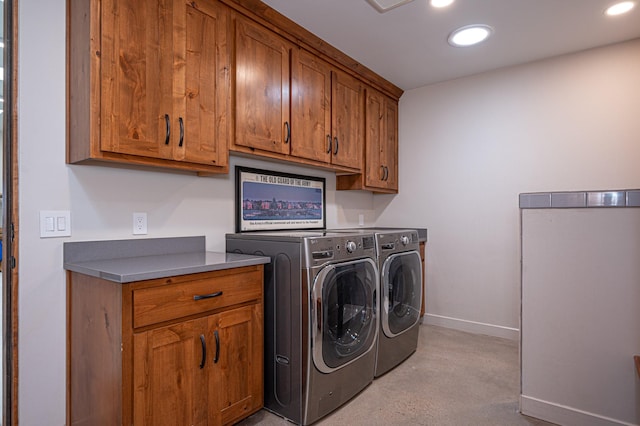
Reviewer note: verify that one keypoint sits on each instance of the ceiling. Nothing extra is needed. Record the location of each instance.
(408, 46)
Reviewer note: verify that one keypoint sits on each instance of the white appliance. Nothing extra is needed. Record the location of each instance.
(580, 326)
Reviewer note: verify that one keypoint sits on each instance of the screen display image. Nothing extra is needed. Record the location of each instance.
(274, 201)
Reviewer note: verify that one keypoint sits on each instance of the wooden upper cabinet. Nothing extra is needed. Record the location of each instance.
(204, 84)
(327, 119)
(262, 88)
(391, 144)
(136, 78)
(152, 83)
(179, 83)
(311, 105)
(381, 141)
(381, 147)
(347, 118)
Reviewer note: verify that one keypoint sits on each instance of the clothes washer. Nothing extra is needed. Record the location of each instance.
(400, 287)
(320, 314)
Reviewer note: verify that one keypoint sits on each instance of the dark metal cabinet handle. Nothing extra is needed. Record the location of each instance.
(288, 136)
(328, 144)
(168, 124)
(181, 121)
(207, 296)
(385, 173)
(217, 356)
(204, 351)
(335, 152)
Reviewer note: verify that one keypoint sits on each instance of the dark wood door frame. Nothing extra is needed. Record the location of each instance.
(10, 219)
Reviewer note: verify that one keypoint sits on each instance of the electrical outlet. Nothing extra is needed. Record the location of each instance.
(360, 219)
(139, 223)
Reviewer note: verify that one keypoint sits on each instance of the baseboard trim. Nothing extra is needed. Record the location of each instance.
(473, 326)
(563, 415)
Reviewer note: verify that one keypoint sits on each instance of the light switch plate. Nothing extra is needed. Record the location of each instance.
(55, 223)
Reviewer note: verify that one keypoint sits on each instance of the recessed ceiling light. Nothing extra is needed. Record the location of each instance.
(619, 8)
(441, 3)
(469, 35)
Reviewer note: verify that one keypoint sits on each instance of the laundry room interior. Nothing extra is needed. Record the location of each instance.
(328, 209)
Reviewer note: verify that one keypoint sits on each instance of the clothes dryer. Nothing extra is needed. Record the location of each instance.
(321, 318)
(400, 269)
(400, 287)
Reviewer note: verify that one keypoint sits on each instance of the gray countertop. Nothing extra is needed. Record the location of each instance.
(125, 261)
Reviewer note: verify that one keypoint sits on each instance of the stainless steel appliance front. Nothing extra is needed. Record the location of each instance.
(321, 318)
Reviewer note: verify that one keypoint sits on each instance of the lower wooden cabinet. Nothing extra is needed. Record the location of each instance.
(201, 366)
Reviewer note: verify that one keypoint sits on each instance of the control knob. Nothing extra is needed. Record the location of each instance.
(404, 240)
(350, 246)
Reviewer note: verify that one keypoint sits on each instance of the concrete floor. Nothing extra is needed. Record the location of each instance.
(454, 378)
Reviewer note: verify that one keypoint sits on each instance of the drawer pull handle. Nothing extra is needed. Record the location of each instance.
(217, 356)
(207, 296)
(204, 351)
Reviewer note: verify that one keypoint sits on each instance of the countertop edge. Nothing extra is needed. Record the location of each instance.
(147, 271)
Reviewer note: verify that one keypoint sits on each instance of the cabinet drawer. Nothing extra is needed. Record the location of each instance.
(167, 302)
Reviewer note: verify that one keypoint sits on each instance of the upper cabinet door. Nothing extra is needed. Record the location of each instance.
(374, 131)
(311, 108)
(165, 80)
(201, 83)
(381, 141)
(262, 86)
(391, 144)
(347, 119)
(137, 77)
(327, 113)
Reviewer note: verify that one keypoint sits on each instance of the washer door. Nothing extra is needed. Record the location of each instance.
(401, 292)
(343, 312)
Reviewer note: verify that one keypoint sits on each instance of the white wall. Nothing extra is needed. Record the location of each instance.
(101, 201)
(468, 147)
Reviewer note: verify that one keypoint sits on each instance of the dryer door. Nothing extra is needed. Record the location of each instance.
(343, 313)
(401, 292)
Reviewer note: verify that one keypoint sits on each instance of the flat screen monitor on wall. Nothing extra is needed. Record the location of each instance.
(269, 201)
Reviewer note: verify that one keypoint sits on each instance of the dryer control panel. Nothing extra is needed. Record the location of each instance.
(397, 241)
